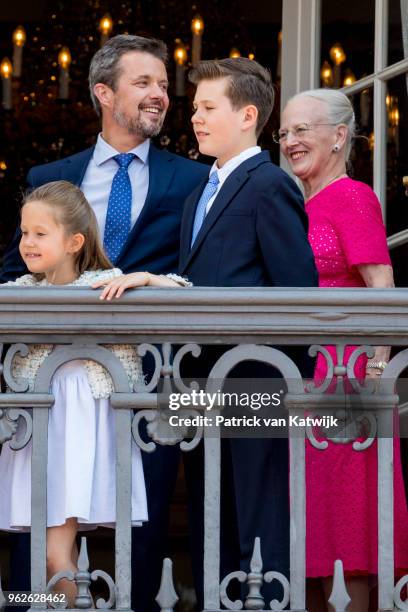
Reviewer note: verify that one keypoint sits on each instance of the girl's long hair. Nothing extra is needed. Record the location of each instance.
(73, 211)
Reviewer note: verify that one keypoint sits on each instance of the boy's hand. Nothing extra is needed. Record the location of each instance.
(116, 286)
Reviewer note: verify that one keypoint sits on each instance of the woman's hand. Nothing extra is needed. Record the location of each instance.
(380, 276)
(116, 286)
(377, 275)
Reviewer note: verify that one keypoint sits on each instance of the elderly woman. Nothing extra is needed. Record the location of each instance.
(349, 242)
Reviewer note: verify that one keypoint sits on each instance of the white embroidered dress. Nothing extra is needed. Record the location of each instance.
(81, 478)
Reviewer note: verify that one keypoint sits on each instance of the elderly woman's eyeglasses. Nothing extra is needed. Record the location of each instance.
(299, 132)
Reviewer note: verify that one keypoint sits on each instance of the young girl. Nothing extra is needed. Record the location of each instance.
(60, 246)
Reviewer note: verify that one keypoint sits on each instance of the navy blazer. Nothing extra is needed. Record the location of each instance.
(153, 242)
(255, 233)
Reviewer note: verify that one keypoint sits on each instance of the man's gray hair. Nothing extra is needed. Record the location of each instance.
(104, 64)
(339, 111)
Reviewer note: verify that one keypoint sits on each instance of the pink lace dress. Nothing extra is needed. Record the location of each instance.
(346, 230)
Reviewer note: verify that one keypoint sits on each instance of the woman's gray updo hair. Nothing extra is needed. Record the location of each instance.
(339, 110)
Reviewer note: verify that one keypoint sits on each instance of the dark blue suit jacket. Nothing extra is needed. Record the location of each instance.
(153, 242)
(255, 233)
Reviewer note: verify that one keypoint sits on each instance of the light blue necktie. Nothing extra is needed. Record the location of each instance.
(118, 215)
(209, 190)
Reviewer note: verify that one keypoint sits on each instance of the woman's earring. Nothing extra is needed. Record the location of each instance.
(336, 148)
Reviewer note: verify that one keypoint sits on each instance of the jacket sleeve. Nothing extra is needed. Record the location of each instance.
(282, 235)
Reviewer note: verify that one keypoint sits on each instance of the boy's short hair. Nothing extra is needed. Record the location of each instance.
(249, 83)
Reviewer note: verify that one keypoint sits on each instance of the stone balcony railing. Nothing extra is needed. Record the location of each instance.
(255, 319)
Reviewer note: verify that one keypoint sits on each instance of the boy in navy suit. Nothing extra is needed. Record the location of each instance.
(244, 226)
(253, 233)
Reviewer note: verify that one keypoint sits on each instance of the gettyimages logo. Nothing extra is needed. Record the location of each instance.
(208, 401)
(264, 408)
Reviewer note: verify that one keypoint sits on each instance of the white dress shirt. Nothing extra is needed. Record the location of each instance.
(228, 167)
(97, 182)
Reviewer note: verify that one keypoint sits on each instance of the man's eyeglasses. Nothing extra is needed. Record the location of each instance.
(299, 132)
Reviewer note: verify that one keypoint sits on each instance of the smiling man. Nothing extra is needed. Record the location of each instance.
(135, 190)
(137, 193)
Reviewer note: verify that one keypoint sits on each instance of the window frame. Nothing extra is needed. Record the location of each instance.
(301, 58)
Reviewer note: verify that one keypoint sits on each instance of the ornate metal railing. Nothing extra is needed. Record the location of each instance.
(76, 321)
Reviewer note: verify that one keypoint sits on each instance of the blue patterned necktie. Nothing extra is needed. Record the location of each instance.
(118, 215)
(209, 190)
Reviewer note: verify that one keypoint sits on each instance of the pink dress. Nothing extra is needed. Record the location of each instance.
(346, 230)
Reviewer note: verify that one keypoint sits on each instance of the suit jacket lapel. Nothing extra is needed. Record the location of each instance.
(73, 170)
(228, 191)
(161, 170)
(226, 194)
(190, 207)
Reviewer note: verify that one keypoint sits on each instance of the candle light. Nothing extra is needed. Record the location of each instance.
(405, 184)
(105, 28)
(6, 70)
(180, 57)
(279, 61)
(337, 56)
(365, 108)
(393, 120)
(349, 78)
(234, 52)
(19, 38)
(371, 141)
(64, 60)
(394, 117)
(326, 74)
(197, 28)
(251, 56)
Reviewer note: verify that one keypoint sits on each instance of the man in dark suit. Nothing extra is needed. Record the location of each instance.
(128, 84)
(125, 176)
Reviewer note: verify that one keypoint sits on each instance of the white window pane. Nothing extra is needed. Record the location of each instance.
(397, 167)
(347, 26)
(398, 31)
(361, 158)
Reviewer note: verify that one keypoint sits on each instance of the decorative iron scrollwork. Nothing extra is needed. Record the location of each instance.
(255, 579)
(9, 425)
(158, 427)
(82, 579)
(17, 385)
(340, 387)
